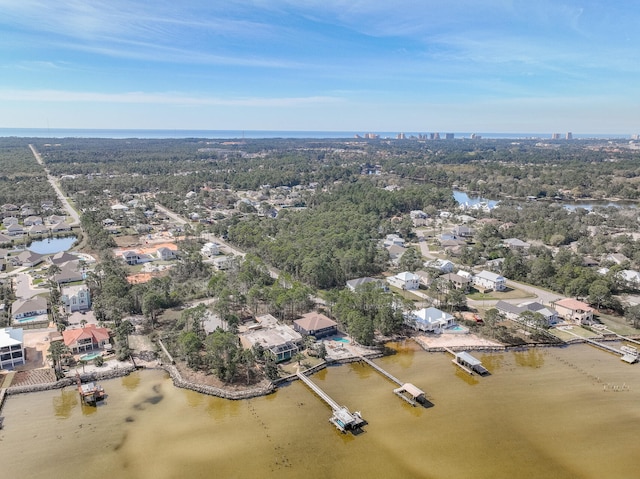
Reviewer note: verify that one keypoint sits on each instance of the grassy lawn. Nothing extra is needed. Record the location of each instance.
(510, 293)
(565, 336)
(617, 324)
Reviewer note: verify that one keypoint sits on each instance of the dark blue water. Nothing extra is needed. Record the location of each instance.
(253, 134)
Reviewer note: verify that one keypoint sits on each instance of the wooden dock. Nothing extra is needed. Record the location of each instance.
(624, 354)
(342, 418)
(407, 391)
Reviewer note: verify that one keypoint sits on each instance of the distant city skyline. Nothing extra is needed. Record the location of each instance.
(493, 66)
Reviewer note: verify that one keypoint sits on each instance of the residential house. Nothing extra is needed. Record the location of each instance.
(76, 298)
(4, 239)
(131, 257)
(85, 339)
(431, 320)
(10, 220)
(442, 265)
(455, 281)
(15, 230)
(425, 278)
(463, 231)
(210, 249)
(11, 348)
(62, 257)
(32, 220)
(223, 263)
(108, 222)
(316, 325)
(573, 310)
(516, 244)
(395, 253)
(142, 228)
(70, 272)
(29, 308)
(405, 280)
(38, 230)
(60, 227)
(617, 258)
(165, 254)
(487, 280)
(55, 219)
(281, 340)
(631, 278)
(354, 284)
(513, 312)
(27, 258)
(393, 240)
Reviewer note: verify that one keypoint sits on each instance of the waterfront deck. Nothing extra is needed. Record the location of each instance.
(343, 419)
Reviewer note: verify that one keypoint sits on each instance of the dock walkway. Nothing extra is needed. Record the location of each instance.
(415, 393)
(623, 354)
(342, 418)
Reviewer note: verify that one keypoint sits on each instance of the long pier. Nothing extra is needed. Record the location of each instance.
(610, 349)
(415, 393)
(342, 418)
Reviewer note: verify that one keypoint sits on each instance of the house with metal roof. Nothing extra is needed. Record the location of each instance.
(11, 348)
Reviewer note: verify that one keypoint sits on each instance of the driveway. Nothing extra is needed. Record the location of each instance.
(24, 289)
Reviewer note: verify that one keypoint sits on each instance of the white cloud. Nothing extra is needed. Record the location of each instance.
(59, 96)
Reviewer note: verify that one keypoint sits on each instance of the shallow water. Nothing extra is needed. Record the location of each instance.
(542, 413)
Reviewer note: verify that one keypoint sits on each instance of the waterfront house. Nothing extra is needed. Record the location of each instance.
(281, 340)
(29, 308)
(38, 230)
(513, 312)
(85, 339)
(75, 298)
(405, 280)
(62, 257)
(430, 320)
(573, 310)
(28, 258)
(60, 227)
(316, 325)
(486, 280)
(11, 348)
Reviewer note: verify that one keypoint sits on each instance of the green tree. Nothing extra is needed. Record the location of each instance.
(58, 351)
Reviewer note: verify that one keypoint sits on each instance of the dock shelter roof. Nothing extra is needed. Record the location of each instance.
(413, 390)
(467, 358)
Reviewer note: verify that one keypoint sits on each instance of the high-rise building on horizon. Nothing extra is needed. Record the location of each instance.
(555, 136)
(569, 136)
(448, 136)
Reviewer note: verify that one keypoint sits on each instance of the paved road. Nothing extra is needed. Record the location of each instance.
(63, 199)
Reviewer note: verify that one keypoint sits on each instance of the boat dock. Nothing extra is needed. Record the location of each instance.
(628, 354)
(90, 393)
(342, 418)
(468, 363)
(406, 391)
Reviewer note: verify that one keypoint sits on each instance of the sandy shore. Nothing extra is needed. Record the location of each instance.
(456, 341)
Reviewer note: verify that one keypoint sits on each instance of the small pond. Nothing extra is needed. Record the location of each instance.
(52, 245)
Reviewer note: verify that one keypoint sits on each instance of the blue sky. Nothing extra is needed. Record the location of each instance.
(462, 65)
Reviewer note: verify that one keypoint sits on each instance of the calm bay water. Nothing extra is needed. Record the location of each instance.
(541, 414)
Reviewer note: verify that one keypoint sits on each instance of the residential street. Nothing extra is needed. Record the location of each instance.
(63, 199)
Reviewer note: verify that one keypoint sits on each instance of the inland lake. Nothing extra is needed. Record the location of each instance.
(571, 412)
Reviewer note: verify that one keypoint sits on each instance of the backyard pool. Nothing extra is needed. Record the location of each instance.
(342, 340)
(89, 356)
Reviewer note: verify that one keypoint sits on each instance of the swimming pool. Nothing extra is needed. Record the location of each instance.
(89, 356)
(342, 340)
